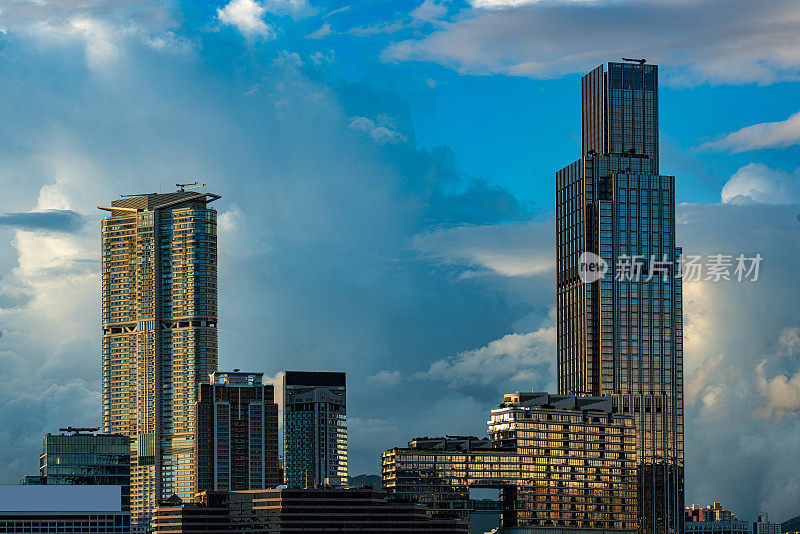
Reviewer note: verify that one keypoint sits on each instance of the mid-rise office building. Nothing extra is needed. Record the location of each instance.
(560, 462)
(61, 508)
(763, 525)
(159, 320)
(236, 433)
(81, 457)
(314, 429)
(300, 510)
(621, 334)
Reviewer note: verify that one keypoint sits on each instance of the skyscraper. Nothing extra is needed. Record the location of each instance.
(622, 335)
(236, 430)
(159, 319)
(314, 429)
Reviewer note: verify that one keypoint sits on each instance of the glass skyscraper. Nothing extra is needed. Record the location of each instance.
(314, 429)
(621, 335)
(159, 319)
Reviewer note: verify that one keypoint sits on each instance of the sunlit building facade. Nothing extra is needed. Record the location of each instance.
(560, 462)
(621, 335)
(159, 320)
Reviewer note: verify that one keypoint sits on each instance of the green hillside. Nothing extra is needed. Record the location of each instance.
(791, 525)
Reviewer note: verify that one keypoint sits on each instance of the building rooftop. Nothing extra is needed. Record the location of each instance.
(59, 498)
(557, 402)
(236, 378)
(154, 201)
(313, 378)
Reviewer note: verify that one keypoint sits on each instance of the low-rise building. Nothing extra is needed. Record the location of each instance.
(61, 508)
(561, 462)
(726, 526)
(300, 510)
(79, 456)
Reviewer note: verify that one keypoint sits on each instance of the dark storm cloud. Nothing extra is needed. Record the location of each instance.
(49, 220)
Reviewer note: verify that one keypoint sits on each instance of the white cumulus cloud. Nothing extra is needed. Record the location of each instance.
(247, 16)
(757, 182)
(522, 359)
(382, 130)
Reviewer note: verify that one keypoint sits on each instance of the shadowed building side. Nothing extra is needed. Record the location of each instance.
(236, 440)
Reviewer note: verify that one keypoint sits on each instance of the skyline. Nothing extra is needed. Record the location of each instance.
(433, 275)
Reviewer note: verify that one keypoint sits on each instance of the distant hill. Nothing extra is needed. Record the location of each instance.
(791, 525)
(365, 480)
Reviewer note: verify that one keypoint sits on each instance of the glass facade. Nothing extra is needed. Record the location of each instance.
(622, 334)
(314, 429)
(159, 314)
(85, 459)
(559, 461)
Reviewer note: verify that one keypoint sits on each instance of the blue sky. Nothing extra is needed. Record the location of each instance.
(387, 176)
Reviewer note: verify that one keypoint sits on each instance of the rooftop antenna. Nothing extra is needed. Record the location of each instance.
(185, 187)
(639, 61)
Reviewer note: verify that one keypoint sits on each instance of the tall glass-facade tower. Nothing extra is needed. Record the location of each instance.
(622, 335)
(159, 319)
(314, 429)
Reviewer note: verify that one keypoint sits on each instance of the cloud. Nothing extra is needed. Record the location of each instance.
(105, 29)
(247, 16)
(49, 220)
(321, 33)
(518, 358)
(729, 327)
(759, 136)
(697, 383)
(381, 131)
(295, 8)
(502, 4)
(522, 249)
(780, 393)
(756, 182)
(719, 41)
(379, 28)
(385, 378)
(429, 11)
